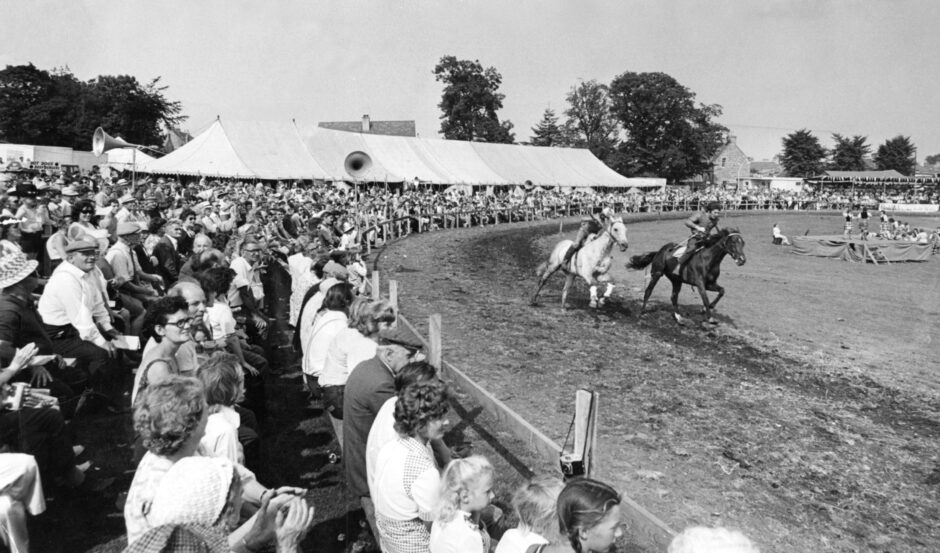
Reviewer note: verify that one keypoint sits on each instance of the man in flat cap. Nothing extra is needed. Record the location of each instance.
(129, 278)
(76, 317)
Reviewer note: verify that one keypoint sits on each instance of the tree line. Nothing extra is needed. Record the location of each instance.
(644, 124)
(53, 108)
(804, 156)
(640, 124)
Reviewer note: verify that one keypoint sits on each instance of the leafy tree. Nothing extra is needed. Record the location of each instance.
(590, 123)
(896, 153)
(803, 155)
(667, 133)
(932, 160)
(470, 101)
(56, 109)
(547, 132)
(848, 154)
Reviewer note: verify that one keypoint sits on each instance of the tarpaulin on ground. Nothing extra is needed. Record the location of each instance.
(856, 250)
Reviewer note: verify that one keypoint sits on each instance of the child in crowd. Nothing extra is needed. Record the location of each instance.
(466, 489)
(589, 515)
(534, 504)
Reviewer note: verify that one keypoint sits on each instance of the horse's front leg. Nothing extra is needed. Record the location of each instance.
(714, 287)
(708, 308)
(594, 302)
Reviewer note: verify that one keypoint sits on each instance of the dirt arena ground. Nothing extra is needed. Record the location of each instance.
(808, 418)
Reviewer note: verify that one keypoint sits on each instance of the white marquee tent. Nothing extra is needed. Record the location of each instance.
(276, 151)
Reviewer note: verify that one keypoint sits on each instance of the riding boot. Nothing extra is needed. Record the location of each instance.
(568, 255)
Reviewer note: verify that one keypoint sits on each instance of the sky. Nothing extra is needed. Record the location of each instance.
(851, 67)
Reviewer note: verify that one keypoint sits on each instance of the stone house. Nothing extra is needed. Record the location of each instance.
(729, 164)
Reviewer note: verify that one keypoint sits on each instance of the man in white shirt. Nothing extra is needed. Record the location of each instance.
(247, 291)
(75, 315)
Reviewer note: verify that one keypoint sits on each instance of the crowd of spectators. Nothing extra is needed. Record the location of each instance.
(154, 301)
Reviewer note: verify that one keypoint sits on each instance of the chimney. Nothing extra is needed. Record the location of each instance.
(731, 138)
(366, 124)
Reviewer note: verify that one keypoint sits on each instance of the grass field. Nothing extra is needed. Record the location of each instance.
(808, 417)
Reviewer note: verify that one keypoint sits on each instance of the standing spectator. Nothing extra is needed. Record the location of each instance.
(406, 478)
(369, 386)
(32, 218)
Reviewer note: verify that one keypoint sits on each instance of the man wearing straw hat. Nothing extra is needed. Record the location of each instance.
(20, 325)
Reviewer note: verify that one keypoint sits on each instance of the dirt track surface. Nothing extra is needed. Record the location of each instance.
(808, 418)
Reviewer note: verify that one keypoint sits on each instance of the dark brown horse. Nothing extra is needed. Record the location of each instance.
(701, 270)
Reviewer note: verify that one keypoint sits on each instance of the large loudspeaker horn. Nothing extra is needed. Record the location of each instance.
(357, 164)
(103, 142)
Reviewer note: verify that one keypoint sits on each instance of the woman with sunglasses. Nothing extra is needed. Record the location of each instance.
(589, 515)
(83, 214)
(168, 321)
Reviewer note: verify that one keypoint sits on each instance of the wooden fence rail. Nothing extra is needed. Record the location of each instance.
(646, 527)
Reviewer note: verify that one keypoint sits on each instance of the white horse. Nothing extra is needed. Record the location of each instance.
(591, 262)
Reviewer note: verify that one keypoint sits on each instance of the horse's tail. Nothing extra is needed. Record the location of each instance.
(640, 261)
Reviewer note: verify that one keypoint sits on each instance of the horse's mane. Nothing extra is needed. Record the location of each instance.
(715, 238)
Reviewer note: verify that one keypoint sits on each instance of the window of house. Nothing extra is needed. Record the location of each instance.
(724, 160)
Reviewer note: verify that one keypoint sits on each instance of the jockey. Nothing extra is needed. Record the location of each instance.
(590, 224)
(701, 223)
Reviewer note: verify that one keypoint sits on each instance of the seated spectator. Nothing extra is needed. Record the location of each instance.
(168, 322)
(699, 539)
(779, 238)
(20, 325)
(534, 504)
(407, 481)
(171, 418)
(77, 319)
(466, 489)
(38, 430)
(204, 496)
(224, 385)
(589, 515)
(221, 321)
(20, 492)
(186, 357)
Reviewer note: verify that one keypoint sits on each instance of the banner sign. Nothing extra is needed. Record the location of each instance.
(910, 208)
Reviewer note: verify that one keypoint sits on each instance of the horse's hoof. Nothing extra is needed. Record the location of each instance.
(594, 304)
(712, 322)
(679, 319)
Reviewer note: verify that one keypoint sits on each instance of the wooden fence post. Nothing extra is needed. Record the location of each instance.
(393, 294)
(435, 355)
(376, 290)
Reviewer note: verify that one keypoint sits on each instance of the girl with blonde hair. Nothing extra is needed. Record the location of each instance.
(466, 489)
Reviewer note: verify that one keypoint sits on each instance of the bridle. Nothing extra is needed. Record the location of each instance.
(607, 230)
(724, 246)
